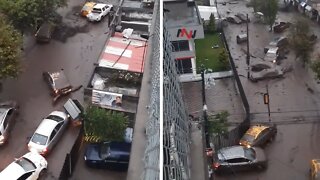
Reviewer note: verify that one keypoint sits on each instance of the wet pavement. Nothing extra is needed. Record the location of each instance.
(294, 100)
(76, 56)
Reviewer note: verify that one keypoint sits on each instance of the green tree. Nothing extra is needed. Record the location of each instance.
(218, 123)
(269, 9)
(315, 66)
(212, 24)
(224, 60)
(29, 14)
(10, 50)
(300, 40)
(104, 125)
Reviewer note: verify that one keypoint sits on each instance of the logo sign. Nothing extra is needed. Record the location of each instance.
(183, 32)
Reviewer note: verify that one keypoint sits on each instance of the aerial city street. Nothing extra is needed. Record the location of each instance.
(85, 93)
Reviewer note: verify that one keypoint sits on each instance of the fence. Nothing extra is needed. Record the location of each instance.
(72, 157)
(233, 136)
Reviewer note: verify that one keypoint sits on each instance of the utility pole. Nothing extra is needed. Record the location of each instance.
(205, 115)
(248, 52)
(266, 99)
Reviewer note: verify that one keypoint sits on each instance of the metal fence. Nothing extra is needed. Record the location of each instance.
(176, 135)
(152, 152)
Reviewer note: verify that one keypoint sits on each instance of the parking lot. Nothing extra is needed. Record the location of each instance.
(76, 55)
(294, 99)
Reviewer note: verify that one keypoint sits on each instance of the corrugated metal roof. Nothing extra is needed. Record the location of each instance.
(125, 54)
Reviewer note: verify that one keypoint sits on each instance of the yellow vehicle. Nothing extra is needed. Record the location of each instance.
(258, 135)
(87, 8)
(315, 169)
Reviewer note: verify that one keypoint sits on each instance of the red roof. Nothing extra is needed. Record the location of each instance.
(125, 54)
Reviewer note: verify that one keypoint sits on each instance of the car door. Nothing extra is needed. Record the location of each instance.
(58, 133)
(27, 176)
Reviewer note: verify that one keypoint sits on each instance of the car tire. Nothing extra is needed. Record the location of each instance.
(43, 174)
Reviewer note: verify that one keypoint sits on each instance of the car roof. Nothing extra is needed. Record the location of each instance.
(256, 130)
(99, 5)
(46, 127)
(120, 148)
(60, 79)
(231, 152)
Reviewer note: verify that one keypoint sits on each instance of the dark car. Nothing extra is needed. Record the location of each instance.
(239, 158)
(242, 17)
(58, 83)
(8, 113)
(44, 32)
(234, 19)
(109, 155)
(281, 26)
(258, 135)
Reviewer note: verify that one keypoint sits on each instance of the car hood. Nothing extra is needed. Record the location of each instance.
(92, 152)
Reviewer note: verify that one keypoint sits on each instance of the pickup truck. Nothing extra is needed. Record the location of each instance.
(99, 11)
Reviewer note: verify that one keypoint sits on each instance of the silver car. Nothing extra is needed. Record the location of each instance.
(8, 113)
(48, 133)
(239, 158)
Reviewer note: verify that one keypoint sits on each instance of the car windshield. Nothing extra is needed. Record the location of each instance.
(55, 118)
(39, 139)
(249, 153)
(104, 151)
(26, 164)
(96, 11)
(248, 138)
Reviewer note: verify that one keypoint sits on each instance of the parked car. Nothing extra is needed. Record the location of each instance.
(30, 166)
(58, 83)
(315, 169)
(272, 55)
(242, 38)
(270, 73)
(48, 132)
(110, 155)
(242, 17)
(234, 19)
(257, 66)
(8, 113)
(87, 8)
(258, 135)
(99, 11)
(239, 158)
(45, 32)
(280, 42)
(281, 26)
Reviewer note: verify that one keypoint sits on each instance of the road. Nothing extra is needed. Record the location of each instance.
(76, 55)
(294, 101)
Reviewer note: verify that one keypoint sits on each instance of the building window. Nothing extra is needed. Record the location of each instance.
(180, 45)
(184, 65)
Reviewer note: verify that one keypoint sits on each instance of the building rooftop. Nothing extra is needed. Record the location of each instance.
(181, 14)
(124, 53)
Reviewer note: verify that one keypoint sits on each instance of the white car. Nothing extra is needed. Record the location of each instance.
(99, 11)
(31, 166)
(48, 133)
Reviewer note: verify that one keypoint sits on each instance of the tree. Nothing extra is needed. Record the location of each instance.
(104, 125)
(10, 50)
(300, 40)
(315, 66)
(212, 24)
(218, 124)
(223, 59)
(269, 9)
(29, 14)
